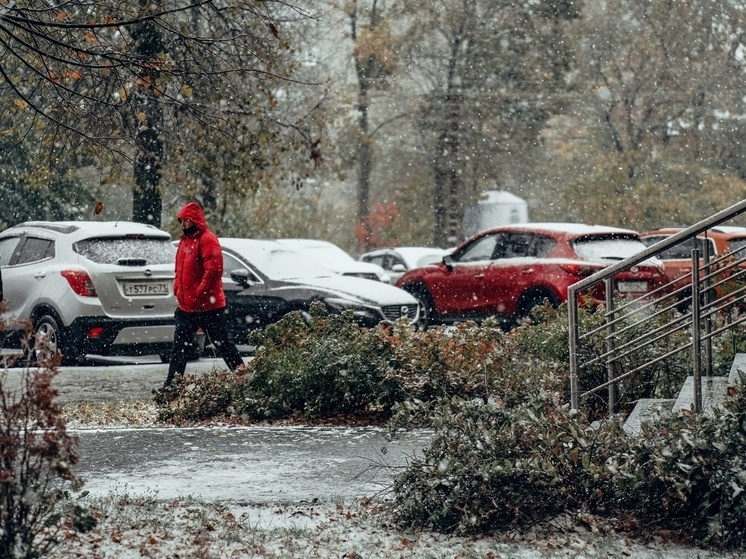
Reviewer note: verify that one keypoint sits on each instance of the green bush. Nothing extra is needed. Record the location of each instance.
(547, 340)
(688, 474)
(321, 365)
(496, 468)
(492, 468)
(314, 366)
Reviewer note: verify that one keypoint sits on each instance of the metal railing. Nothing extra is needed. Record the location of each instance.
(692, 310)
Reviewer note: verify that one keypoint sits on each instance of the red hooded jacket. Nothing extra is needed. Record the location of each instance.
(199, 265)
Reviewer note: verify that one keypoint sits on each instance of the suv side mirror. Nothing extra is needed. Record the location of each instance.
(398, 267)
(241, 277)
(448, 261)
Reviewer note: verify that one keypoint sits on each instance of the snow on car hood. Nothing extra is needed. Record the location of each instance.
(374, 292)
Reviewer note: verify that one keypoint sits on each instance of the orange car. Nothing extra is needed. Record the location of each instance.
(677, 260)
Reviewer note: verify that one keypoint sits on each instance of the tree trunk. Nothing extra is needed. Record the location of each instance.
(363, 154)
(447, 191)
(147, 203)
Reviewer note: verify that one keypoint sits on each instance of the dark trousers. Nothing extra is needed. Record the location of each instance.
(213, 324)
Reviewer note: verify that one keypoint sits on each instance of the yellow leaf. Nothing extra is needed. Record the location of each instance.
(21, 104)
(186, 90)
(142, 117)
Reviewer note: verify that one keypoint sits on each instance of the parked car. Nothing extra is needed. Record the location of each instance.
(506, 271)
(102, 288)
(264, 280)
(336, 259)
(396, 261)
(677, 260)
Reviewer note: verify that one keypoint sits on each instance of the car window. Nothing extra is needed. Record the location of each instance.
(109, 250)
(7, 248)
(35, 249)
(541, 246)
(512, 245)
(394, 260)
(230, 264)
(378, 259)
(737, 245)
(283, 264)
(600, 248)
(678, 252)
(481, 249)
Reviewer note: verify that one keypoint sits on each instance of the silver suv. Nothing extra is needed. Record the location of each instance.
(103, 288)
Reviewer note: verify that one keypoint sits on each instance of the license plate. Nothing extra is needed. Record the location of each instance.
(140, 289)
(632, 286)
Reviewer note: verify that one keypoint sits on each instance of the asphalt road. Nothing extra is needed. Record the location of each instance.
(114, 379)
(264, 465)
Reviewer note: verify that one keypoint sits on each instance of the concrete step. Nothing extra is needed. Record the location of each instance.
(714, 392)
(739, 364)
(645, 410)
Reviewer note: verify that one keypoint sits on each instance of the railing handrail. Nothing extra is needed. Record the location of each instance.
(676, 238)
(700, 311)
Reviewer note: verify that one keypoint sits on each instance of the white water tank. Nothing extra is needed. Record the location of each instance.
(496, 207)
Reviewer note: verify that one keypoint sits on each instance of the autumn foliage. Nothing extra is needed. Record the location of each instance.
(375, 230)
(37, 455)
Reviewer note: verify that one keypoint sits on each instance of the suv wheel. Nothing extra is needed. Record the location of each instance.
(530, 302)
(47, 341)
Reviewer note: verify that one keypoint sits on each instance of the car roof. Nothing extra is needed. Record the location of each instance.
(236, 244)
(306, 242)
(570, 230)
(92, 228)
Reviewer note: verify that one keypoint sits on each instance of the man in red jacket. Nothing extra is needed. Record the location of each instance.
(199, 293)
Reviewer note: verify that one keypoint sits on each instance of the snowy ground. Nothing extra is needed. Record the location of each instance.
(135, 528)
(140, 518)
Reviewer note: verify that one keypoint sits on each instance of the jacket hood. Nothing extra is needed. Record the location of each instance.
(193, 212)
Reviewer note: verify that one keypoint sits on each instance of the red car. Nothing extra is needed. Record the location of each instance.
(506, 271)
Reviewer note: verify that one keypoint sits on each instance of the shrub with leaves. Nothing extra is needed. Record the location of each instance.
(687, 474)
(37, 455)
(315, 366)
(319, 365)
(497, 468)
(211, 395)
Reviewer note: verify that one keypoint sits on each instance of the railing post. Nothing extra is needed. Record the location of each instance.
(696, 334)
(610, 343)
(707, 299)
(572, 311)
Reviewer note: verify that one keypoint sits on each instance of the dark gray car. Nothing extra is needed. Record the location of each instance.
(264, 280)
